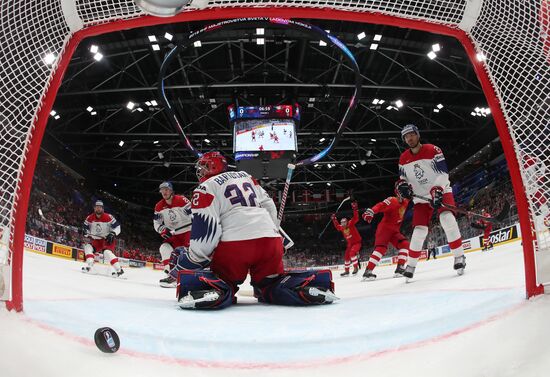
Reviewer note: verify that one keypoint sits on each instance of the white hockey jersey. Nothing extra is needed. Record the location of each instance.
(175, 216)
(231, 206)
(100, 227)
(425, 170)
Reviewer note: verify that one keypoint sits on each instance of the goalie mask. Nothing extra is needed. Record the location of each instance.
(209, 165)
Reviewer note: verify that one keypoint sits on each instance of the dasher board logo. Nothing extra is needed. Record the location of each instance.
(501, 235)
(466, 245)
(62, 251)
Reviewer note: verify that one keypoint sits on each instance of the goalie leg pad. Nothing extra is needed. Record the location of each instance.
(203, 290)
(297, 288)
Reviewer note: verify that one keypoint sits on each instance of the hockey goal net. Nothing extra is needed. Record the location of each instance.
(507, 41)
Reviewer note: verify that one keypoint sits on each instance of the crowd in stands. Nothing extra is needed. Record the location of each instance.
(60, 201)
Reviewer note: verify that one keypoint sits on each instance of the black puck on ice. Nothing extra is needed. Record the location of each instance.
(106, 339)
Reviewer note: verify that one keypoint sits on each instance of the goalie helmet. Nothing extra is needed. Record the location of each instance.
(210, 164)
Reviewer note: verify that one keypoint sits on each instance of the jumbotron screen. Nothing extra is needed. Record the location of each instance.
(252, 135)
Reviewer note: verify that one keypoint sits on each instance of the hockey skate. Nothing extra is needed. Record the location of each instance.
(86, 269)
(355, 270)
(368, 275)
(168, 282)
(399, 270)
(409, 272)
(318, 295)
(194, 299)
(345, 274)
(117, 274)
(460, 264)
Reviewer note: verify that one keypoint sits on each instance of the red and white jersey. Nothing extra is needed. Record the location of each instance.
(425, 170)
(230, 206)
(350, 232)
(393, 211)
(175, 216)
(100, 227)
(485, 223)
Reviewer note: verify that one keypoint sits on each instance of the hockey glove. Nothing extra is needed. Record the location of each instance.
(354, 205)
(437, 197)
(368, 215)
(405, 189)
(333, 216)
(166, 233)
(110, 237)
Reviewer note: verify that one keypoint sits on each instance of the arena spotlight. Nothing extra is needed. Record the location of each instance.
(168, 36)
(130, 105)
(361, 35)
(94, 49)
(49, 58)
(197, 44)
(373, 46)
(121, 143)
(378, 37)
(432, 55)
(436, 47)
(399, 103)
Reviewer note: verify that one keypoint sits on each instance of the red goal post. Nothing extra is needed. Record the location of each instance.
(507, 43)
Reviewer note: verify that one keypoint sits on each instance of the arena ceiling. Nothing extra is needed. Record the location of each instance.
(231, 67)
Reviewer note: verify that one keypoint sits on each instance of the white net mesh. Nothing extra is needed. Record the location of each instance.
(513, 35)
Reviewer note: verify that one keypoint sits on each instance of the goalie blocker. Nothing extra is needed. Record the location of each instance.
(202, 289)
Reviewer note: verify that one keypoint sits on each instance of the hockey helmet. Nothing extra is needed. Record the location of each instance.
(210, 164)
(396, 189)
(408, 129)
(98, 203)
(166, 185)
(107, 340)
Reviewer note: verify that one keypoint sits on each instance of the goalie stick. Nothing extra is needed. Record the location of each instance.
(494, 219)
(337, 209)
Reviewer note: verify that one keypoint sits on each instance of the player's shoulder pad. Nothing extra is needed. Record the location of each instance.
(202, 198)
(432, 149)
(160, 205)
(390, 200)
(90, 217)
(179, 201)
(405, 157)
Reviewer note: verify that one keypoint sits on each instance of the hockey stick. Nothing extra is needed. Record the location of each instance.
(495, 219)
(337, 209)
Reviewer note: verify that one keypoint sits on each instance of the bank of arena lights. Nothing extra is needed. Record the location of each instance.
(481, 112)
(197, 44)
(168, 36)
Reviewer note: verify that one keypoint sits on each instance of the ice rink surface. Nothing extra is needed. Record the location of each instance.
(478, 324)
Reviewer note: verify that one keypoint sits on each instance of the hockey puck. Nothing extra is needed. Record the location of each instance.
(107, 340)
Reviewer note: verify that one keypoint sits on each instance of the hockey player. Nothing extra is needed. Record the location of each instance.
(172, 221)
(234, 231)
(487, 227)
(388, 231)
(423, 174)
(253, 135)
(102, 228)
(353, 239)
